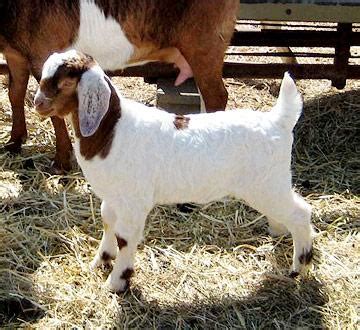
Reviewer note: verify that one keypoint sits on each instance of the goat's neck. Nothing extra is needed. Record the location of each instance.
(100, 142)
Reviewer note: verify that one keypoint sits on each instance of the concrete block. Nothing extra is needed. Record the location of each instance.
(183, 99)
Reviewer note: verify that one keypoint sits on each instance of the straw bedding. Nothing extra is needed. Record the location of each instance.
(214, 268)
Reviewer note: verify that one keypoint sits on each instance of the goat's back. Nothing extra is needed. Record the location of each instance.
(178, 165)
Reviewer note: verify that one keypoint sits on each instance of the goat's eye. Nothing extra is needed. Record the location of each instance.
(53, 92)
(66, 83)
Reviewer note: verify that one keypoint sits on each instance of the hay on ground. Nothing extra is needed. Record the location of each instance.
(216, 267)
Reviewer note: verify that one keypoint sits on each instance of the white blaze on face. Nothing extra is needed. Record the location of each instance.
(54, 61)
(39, 97)
(102, 37)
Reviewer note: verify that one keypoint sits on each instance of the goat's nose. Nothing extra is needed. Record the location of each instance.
(37, 101)
(39, 98)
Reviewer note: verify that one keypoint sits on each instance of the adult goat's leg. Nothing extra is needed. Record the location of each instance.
(18, 80)
(207, 70)
(203, 46)
(62, 161)
(63, 154)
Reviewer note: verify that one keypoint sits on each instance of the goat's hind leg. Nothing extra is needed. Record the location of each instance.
(108, 246)
(276, 229)
(302, 233)
(203, 46)
(294, 214)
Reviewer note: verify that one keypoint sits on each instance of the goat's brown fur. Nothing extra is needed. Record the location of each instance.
(100, 142)
(199, 29)
(121, 242)
(181, 122)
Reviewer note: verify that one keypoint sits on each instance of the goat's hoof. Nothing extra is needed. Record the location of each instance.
(294, 274)
(307, 256)
(186, 207)
(101, 259)
(13, 147)
(28, 164)
(119, 283)
(62, 163)
(57, 168)
(118, 286)
(302, 262)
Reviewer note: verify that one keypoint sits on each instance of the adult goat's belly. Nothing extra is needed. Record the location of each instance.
(102, 37)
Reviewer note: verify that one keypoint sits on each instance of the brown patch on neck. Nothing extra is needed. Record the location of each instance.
(181, 122)
(100, 142)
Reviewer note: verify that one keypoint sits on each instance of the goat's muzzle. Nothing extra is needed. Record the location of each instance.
(42, 104)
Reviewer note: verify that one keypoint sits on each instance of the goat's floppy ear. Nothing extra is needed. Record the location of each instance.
(94, 97)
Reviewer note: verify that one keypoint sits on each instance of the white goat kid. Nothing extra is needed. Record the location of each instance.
(136, 156)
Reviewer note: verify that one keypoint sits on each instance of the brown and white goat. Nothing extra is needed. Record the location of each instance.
(136, 157)
(189, 33)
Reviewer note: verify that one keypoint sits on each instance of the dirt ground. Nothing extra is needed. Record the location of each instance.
(214, 268)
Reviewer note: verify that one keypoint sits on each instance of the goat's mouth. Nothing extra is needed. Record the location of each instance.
(44, 111)
(43, 104)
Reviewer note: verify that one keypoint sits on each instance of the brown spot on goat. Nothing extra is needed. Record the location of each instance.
(306, 257)
(127, 273)
(181, 122)
(121, 242)
(106, 256)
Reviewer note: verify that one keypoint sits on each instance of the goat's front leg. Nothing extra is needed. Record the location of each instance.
(128, 232)
(108, 245)
(18, 80)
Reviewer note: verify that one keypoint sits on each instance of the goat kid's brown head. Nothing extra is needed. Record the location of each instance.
(73, 83)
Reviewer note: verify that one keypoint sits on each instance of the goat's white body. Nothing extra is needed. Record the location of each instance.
(241, 153)
(102, 37)
(158, 158)
(219, 154)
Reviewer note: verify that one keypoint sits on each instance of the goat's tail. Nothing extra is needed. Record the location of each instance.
(289, 104)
